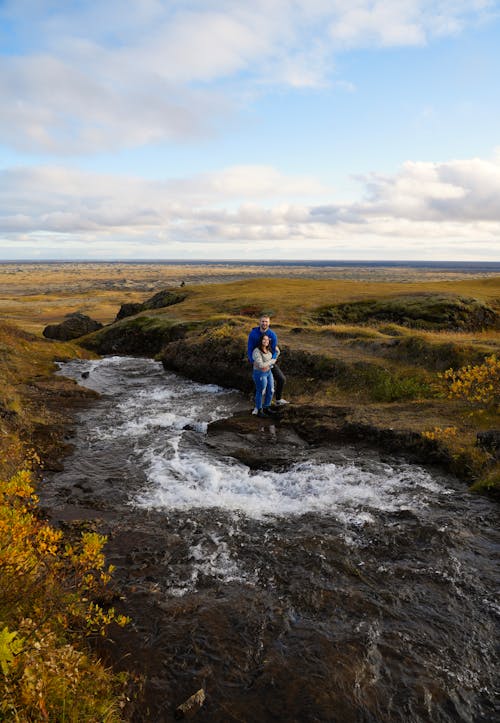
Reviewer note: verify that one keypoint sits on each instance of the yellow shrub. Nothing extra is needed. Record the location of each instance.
(439, 434)
(478, 384)
(47, 598)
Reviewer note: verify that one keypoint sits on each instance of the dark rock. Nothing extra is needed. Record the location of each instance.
(259, 443)
(489, 441)
(158, 301)
(129, 309)
(73, 326)
(163, 298)
(210, 362)
(85, 375)
(141, 335)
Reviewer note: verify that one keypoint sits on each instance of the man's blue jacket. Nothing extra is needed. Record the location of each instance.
(254, 340)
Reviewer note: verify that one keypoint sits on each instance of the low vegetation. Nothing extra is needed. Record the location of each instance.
(417, 311)
(48, 591)
(55, 592)
(410, 356)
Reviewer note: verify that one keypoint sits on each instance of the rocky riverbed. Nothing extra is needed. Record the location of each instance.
(284, 566)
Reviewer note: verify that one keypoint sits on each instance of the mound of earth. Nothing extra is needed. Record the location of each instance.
(418, 311)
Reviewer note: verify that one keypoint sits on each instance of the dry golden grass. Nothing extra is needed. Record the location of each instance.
(34, 295)
(293, 300)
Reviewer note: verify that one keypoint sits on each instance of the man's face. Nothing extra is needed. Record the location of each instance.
(264, 323)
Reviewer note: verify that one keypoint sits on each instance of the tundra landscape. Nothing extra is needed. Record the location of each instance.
(391, 360)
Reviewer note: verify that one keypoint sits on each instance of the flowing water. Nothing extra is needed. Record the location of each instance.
(340, 586)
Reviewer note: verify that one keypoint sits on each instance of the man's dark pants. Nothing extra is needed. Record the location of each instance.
(279, 380)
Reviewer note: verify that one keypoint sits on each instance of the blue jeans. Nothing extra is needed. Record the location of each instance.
(263, 385)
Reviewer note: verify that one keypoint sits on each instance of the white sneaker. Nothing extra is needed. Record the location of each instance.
(282, 401)
(255, 410)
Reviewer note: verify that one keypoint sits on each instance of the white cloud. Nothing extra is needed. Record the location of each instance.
(92, 76)
(423, 209)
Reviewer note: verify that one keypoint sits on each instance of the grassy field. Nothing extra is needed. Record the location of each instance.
(34, 295)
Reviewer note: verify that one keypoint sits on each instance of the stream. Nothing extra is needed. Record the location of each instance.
(344, 585)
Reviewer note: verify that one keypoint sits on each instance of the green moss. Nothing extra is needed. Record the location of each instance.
(419, 311)
(436, 356)
(488, 484)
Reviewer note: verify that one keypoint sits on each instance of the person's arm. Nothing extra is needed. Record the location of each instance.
(252, 343)
(274, 343)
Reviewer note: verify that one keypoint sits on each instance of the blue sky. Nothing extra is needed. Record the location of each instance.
(307, 129)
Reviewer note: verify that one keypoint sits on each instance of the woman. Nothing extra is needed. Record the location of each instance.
(264, 386)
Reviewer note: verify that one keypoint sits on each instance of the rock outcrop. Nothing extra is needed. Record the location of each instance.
(73, 326)
(166, 297)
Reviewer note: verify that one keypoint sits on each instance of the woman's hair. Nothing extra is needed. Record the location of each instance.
(260, 342)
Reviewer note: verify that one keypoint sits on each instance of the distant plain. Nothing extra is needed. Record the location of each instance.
(33, 295)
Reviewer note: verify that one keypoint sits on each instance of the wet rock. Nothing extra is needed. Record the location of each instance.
(73, 326)
(258, 443)
(210, 362)
(338, 425)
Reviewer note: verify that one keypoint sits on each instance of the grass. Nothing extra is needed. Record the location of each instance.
(421, 310)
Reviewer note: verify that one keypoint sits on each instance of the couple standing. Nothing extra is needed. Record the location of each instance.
(263, 352)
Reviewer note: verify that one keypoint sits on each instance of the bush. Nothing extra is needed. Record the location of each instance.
(48, 589)
(478, 384)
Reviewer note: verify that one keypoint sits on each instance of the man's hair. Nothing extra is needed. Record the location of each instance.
(264, 316)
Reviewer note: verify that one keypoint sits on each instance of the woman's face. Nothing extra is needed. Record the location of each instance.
(265, 341)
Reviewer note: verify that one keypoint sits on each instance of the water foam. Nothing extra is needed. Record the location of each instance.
(347, 491)
(152, 407)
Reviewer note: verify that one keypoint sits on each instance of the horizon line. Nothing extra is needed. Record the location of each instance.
(249, 261)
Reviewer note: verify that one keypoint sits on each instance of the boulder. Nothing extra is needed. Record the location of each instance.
(164, 298)
(129, 309)
(73, 326)
(158, 301)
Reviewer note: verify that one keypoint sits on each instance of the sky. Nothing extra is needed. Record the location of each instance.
(213, 129)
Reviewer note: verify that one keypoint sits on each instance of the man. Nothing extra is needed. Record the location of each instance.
(254, 340)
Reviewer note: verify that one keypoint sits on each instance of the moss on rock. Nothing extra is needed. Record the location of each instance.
(418, 311)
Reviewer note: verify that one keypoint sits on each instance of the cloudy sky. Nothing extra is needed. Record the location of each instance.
(214, 129)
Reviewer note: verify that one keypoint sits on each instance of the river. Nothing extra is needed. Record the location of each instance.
(344, 585)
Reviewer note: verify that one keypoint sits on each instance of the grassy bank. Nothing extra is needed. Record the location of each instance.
(49, 583)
